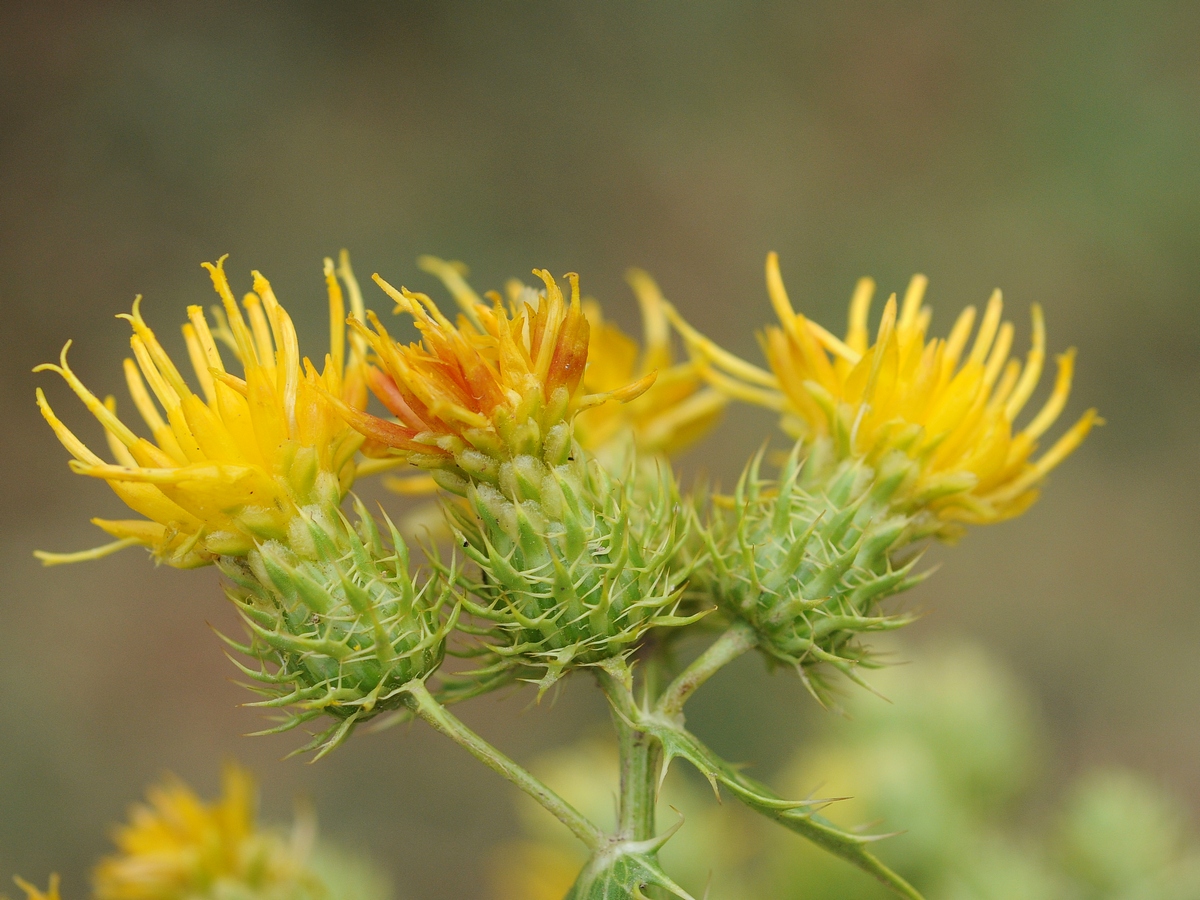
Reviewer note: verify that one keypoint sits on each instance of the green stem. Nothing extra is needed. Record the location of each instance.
(425, 706)
(729, 646)
(640, 755)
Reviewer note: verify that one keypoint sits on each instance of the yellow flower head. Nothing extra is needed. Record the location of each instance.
(949, 406)
(498, 383)
(677, 409)
(177, 847)
(232, 465)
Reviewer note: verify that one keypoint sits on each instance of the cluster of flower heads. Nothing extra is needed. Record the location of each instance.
(545, 430)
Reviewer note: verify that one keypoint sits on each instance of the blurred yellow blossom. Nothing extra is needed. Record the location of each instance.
(675, 411)
(177, 847)
(32, 893)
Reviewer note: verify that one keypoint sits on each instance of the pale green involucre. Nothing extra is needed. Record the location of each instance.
(806, 558)
(576, 564)
(339, 621)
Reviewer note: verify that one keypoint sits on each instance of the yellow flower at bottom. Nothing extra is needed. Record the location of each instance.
(230, 466)
(533, 871)
(948, 407)
(177, 847)
(32, 893)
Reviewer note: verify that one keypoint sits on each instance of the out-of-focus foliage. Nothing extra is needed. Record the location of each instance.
(1123, 836)
(349, 875)
(953, 760)
(952, 757)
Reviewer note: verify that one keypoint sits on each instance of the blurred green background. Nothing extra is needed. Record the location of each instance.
(1050, 149)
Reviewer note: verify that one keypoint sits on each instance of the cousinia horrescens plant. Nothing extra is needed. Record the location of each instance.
(546, 434)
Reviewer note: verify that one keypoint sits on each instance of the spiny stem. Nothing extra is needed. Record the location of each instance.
(425, 706)
(729, 646)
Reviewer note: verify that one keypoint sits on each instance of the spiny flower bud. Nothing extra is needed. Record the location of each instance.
(806, 559)
(231, 465)
(948, 406)
(338, 621)
(577, 564)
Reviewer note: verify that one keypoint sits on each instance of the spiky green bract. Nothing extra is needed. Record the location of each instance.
(338, 621)
(807, 557)
(623, 870)
(576, 562)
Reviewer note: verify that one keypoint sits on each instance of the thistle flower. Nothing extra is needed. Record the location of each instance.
(228, 467)
(576, 564)
(949, 407)
(674, 411)
(177, 847)
(338, 622)
(498, 384)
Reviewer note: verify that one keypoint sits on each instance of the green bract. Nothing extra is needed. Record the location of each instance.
(338, 621)
(806, 558)
(576, 563)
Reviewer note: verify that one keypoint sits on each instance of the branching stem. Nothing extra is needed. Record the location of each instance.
(729, 646)
(425, 706)
(640, 754)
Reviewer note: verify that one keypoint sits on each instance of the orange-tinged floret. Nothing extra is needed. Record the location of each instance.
(677, 409)
(500, 382)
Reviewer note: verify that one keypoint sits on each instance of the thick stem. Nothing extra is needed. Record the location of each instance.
(644, 770)
(640, 755)
(425, 706)
(729, 646)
